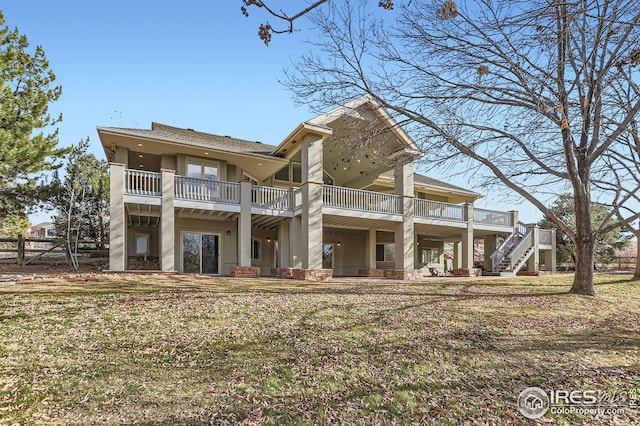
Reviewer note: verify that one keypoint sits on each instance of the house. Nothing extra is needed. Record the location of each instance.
(338, 196)
(42, 231)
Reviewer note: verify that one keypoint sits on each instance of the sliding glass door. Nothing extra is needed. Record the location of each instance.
(200, 253)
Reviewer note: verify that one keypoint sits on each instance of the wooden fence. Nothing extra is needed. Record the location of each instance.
(23, 251)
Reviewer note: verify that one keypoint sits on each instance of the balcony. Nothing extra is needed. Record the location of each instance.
(437, 210)
(146, 188)
(138, 182)
(356, 199)
(207, 190)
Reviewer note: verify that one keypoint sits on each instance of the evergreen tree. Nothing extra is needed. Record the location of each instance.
(27, 148)
(607, 243)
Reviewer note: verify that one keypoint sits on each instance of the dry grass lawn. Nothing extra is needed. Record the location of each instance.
(196, 350)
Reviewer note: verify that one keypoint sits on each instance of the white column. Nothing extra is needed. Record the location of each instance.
(404, 232)
(117, 219)
(312, 158)
(295, 243)
(285, 243)
(457, 255)
(244, 225)
(533, 263)
(167, 222)
(467, 240)
(553, 251)
(489, 247)
(371, 249)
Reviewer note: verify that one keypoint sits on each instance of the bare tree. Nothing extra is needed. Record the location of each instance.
(288, 19)
(537, 95)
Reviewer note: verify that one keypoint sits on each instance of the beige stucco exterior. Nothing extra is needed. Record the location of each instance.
(309, 203)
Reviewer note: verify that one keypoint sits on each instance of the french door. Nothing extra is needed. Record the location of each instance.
(200, 253)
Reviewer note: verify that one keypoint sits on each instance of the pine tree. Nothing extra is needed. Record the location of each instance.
(27, 148)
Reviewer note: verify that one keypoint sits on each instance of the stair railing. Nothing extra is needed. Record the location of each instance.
(521, 248)
(502, 251)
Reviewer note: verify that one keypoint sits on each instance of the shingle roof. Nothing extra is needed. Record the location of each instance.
(223, 143)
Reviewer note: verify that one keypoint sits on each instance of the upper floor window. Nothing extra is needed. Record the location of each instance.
(202, 169)
(293, 173)
(296, 172)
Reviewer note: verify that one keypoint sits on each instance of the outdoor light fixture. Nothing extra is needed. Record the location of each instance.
(228, 233)
(269, 240)
(338, 243)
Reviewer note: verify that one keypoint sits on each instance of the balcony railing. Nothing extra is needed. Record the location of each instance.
(437, 210)
(207, 190)
(271, 198)
(545, 236)
(356, 199)
(492, 217)
(140, 182)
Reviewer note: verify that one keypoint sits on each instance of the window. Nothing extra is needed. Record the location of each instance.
(142, 243)
(248, 178)
(296, 172)
(386, 252)
(283, 174)
(326, 179)
(49, 232)
(256, 249)
(202, 169)
(430, 255)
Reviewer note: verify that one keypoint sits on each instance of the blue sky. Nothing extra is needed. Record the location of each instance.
(196, 64)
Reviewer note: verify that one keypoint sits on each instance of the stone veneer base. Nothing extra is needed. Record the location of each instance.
(286, 273)
(371, 273)
(245, 272)
(312, 274)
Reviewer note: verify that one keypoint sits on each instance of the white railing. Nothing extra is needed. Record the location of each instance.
(501, 251)
(545, 236)
(140, 182)
(438, 210)
(492, 217)
(356, 199)
(297, 198)
(207, 190)
(521, 248)
(271, 198)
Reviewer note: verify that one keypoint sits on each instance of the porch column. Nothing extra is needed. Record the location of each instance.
(284, 257)
(117, 220)
(312, 160)
(371, 249)
(553, 251)
(295, 246)
(514, 216)
(467, 239)
(457, 255)
(489, 247)
(404, 232)
(533, 263)
(167, 222)
(244, 225)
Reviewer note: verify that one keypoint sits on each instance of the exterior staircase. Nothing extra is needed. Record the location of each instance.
(514, 252)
